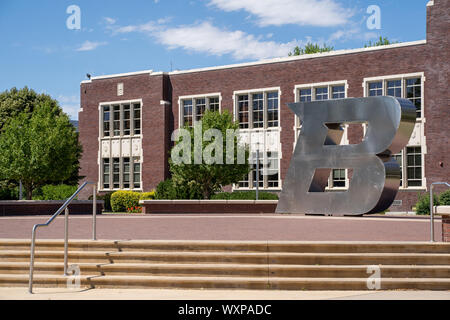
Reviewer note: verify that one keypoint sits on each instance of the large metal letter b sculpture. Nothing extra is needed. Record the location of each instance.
(375, 173)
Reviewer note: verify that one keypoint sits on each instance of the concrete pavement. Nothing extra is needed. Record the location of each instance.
(174, 294)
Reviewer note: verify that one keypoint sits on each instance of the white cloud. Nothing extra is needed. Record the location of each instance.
(89, 46)
(70, 105)
(209, 39)
(109, 20)
(323, 13)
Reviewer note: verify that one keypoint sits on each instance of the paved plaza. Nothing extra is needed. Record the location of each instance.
(227, 227)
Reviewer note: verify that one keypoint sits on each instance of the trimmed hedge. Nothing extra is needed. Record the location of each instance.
(122, 200)
(148, 195)
(51, 192)
(244, 195)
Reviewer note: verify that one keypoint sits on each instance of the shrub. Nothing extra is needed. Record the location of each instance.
(107, 200)
(244, 195)
(169, 190)
(165, 190)
(444, 198)
(148, 195)
(423, 204)
(7, 193)
(51, 192)
(122, 200)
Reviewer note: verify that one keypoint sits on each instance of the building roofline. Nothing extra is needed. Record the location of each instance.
(267, 61)
(118, 75)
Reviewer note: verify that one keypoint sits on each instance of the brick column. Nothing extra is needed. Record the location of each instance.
(446, 228)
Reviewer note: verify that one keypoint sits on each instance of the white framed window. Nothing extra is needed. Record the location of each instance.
(411, 158)
(268, 173)
(258, 113)
(318, 92)
(121, 173)
(408, 86)
(192, 108)
(120, 119)
(257, 108)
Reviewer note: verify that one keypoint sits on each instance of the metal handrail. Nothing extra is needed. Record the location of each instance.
(65, 208)
(431, 206)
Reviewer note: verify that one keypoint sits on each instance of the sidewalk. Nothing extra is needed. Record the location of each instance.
(174, 294)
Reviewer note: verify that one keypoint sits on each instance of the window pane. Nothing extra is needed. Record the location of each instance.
(394, 88)
(272, 170)
(126, 119)
(339, 178)
(126, 173)
(243, 111)
(322, 93)
(259, 172)
(200, 107)
(187, 112)
(137, 118)
(106, 121)
(305, 95)
(414, 93)
(137, 175)
(116, 173)
(414, 166)
(258, 110)
(375, 89)
(106, 171)
(116, 120)
(338, 92)
(272, 109)
(214, 104)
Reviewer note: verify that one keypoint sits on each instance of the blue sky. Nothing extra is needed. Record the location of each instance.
(39, 51)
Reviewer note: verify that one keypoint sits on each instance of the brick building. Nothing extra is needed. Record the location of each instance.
(126, 120)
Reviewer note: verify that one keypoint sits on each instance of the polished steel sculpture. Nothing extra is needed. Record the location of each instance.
(376, 175)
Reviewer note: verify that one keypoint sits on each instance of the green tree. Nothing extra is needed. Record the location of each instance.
(14, 102)
(38, 148)
(380, 42)
(210, 176)
(309, 49)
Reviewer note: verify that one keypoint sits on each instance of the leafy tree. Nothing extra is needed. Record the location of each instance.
(211, 176)
(14, 102)
(310, 48)
(380, 42)
(23, 101)
(39, 148)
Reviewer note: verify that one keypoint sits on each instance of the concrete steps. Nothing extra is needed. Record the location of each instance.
(229, 264)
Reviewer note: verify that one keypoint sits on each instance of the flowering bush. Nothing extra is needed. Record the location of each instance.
(136, 209)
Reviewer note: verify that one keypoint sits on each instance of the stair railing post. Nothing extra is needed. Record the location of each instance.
(94, 213)
(66, 240)
(431, 213)
(33, 240)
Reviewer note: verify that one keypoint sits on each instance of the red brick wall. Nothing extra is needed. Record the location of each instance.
(154, 124)
(445, 228)
(431, 58)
